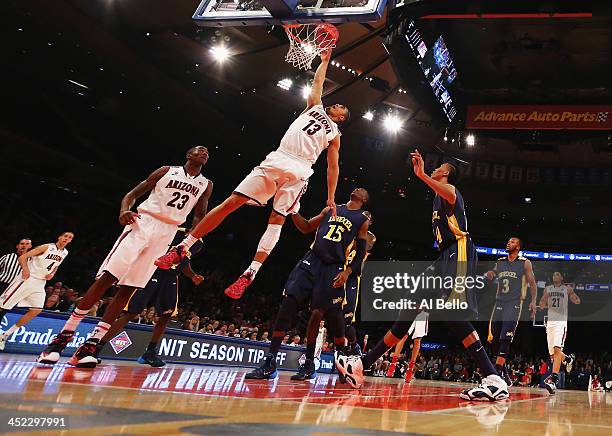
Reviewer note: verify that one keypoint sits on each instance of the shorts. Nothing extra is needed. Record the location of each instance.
(312, 279)
(351, 298)
(161, 292)
(556, 332)
(131, 259)
(281, 176)
(24, 293)
(504, 320)
(420, 326)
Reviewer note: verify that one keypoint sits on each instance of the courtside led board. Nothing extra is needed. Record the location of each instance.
(253, 13)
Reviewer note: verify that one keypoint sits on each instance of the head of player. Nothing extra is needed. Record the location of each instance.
(197, 156)
(514, 245)
(338, 113)
(23, 246)
(445, 173)
(557, 278)
(359, 197)
(64, 239)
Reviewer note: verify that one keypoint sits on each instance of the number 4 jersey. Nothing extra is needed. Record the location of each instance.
(44, 264)
(174, 196)
(309, 134)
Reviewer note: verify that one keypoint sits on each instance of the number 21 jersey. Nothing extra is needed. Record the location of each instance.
(174, 196)
(309, 134)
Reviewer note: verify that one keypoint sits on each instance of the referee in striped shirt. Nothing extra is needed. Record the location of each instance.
(9, 266)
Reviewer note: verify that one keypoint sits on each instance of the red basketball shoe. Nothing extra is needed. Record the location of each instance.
(410, 372)
(171, 258)
(391, 369)
(236, 289)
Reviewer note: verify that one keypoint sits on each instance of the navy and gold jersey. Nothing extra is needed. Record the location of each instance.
(512, 281)
(351, 251)
(335, 233)
(449, 222)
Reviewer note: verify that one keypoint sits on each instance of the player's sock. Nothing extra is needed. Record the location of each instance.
(100, 330)
(75, 319)
(152, 346)
(253, 269)
(189, 241)
(483, 362)
(379, 349)
(275, 344)
(310, 350)
(10, 331)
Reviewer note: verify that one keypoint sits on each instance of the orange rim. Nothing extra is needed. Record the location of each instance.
(330, 29)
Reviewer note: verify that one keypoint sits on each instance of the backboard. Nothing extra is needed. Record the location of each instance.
(253, 13)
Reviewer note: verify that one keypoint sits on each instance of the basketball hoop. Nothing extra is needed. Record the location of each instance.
(307, 41)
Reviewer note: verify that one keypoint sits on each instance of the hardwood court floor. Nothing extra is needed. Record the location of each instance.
(130, 399)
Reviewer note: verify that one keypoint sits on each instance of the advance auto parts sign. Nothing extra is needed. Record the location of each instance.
(177, 346)
(539, 117)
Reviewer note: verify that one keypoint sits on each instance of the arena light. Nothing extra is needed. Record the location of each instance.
(470, 140)
(306, 91)
(369, 115)
(220, 53)
(285, 84)
(392, 123)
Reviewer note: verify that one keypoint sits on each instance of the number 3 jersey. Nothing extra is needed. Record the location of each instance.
(174, 196)
(309, 134)
(335, 233)
(44, 264)
(512, 282)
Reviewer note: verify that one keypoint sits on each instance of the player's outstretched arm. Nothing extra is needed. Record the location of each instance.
(544, 300)
(126, 216)
(191, 274)
(23, 259)
(308, 226)
(573, 296)
(316, 90)
(533, 287)
(444, 190)
(201, 207)
(333, 171)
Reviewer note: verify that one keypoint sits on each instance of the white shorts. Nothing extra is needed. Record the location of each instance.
(131, 259)
(556, 331)
(419, 327)
(24, 293)
(281, 176)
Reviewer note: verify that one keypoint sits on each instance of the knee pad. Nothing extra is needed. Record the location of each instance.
(504, 348)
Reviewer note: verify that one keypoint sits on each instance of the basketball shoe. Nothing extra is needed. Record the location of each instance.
(569, 362)
(351, 367)
(236, 289)
(171, 258)
(85, 355)
(306, 371)
(392, 366)
(550, 385)
(491, 388)
(52, 351)
(267, 370)
(410, 372)
(150, 358)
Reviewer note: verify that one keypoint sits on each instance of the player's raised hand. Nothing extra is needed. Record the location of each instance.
(490, 275)
(127, 217)
(331, 203)
(341, 278)
(418, 163)
(197, 279)
(326, 55)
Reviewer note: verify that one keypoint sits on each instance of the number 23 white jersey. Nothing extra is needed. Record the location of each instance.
(309, 134)
(174, 196)
(44, 264)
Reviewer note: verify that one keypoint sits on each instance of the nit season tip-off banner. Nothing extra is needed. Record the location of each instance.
(539, 117)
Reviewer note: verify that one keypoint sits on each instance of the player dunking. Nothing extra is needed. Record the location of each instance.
(555, 297)
(319, 277)
(514, 273)
(173, 193)
(457, 259)
(283, 175)
(38, 266)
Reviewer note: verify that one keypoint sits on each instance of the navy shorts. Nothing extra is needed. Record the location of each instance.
(504, 319)
(351, 297)
(161, 292)
(312, 279)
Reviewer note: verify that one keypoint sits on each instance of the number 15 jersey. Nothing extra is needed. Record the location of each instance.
(335, 234)
(309, 134)
(174, 196)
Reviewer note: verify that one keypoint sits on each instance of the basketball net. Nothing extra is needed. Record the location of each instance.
(307, 41)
